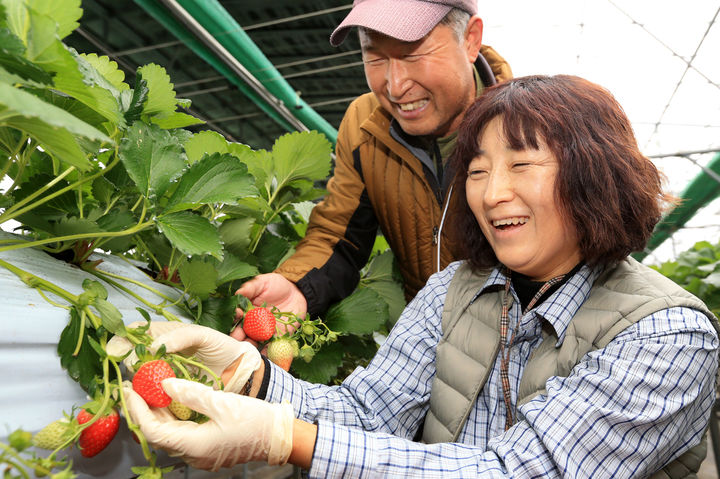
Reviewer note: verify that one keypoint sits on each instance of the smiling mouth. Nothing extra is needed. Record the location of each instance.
(415, 105)
(509, 222)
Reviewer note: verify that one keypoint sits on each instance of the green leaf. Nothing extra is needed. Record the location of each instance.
(84, 367)
(713, 279)
(271, 251)
(233, 268)
(110, 316)
(235, 234)
(107, 69)
(204, 143)
(65, 13)
(362, 312)
(152, 157)
(191, 234)
(198, 277)
(132, 102)
(218, 313)
(74, 225)
(103, 190)
(323, 366)
(176, 119)
(161, 95)
(15, 64)
(96, 346)
(53, 127)
(76, 77)
(95, 288)
(301, 155)
(216, 178)
(392, 293)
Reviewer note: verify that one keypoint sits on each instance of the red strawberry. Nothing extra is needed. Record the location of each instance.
(259, 324)
(146, 382)
(281, 352)
(95, 438)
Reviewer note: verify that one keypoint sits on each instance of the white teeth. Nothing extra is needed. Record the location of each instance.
(412, 106)
(515, 220)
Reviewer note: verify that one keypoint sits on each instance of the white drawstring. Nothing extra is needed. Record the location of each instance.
(442, 222)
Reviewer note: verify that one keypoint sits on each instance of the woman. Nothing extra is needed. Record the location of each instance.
(549, 352)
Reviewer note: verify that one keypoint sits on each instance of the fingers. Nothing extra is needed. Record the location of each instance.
(138, 409)
(253, 288)
(118, 346)
(238, 333)
(196, 396)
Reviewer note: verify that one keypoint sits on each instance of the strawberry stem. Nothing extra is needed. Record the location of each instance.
(131, 425)
(81, 335)
(177, 360)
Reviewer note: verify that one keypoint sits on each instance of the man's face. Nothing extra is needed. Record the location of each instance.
(425, 85)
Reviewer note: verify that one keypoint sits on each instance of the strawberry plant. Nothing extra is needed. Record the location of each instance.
(698, 271)
(94, 167)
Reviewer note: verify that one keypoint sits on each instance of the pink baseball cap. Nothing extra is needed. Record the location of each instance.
(406, 20)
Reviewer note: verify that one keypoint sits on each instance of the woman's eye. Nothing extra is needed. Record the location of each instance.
(476, 173)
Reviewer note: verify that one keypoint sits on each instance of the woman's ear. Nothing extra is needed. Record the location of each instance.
(473, 38)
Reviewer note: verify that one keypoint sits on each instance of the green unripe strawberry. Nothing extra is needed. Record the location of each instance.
(180, 410)
(53, 435)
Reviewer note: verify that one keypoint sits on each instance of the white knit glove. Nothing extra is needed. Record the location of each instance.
(212, 348)
(240, 429)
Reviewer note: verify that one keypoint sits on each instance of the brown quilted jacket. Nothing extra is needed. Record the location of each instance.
(377, 182)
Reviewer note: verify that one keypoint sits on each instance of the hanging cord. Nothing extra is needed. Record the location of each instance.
(442, 222)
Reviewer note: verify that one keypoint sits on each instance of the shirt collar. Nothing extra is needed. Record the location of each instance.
(559, 309)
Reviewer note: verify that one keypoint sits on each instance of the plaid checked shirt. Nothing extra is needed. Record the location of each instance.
(624, 411)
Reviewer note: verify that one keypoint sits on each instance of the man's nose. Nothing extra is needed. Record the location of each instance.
(397, 79)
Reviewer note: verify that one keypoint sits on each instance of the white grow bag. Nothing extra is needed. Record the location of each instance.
(36, 390)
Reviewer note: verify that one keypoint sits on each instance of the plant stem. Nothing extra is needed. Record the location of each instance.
(198, 365)
(24, 201)
(18, 208)
(149, 253)
(14, 454)
(106, 274)
(107, 234)
(35, 282)
(82, 333)
(158, 309)
(131, 425)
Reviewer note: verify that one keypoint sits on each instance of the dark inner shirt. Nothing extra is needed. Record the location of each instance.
(527, 288)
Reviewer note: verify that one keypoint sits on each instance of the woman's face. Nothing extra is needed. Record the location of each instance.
(512, 194)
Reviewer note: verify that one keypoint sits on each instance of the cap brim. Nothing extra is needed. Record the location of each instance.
(392, 19)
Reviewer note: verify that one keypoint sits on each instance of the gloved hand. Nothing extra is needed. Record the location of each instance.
(214, 349)
(240, 429)
(119, 346)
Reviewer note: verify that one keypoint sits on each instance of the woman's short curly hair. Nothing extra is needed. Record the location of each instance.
(611, 192)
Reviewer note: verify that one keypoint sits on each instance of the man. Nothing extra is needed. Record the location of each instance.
(425, 64)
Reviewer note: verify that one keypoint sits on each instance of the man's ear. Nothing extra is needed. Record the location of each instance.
(473, 38)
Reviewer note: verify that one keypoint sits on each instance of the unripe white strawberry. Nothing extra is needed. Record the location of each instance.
(281, 351)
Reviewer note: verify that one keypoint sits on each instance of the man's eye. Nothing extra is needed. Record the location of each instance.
(373, 61)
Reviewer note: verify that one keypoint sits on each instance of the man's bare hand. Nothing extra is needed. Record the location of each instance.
(271, 289)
